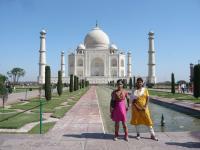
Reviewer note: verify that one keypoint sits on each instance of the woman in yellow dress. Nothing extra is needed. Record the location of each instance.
(140, 110)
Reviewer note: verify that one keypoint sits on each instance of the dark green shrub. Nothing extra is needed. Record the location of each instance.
(196, 81)
(172, 83)
(77, 83)
(75, 80)
(134, 82)
(71, 85)
(130, 83)
(59, 84)
(48, 93)
(80, 84)
(83, 83)
(124, 83)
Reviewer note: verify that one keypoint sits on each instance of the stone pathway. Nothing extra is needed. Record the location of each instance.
(17, 97)
(82, 129)
(84, 117)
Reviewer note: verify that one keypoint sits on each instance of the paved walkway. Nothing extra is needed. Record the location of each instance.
(84, 117)
(82, 129)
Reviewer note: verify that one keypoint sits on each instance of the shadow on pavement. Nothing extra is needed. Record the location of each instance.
(186, 144)
(99, 136)
(90, 135)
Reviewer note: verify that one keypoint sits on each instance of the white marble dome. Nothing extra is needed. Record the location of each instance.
(96, 39)
(113, 47)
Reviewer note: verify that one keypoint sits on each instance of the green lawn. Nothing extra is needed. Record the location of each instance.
(26, 106)
(48, 106)
(17, 121)
(59, 113)
(23, 89)
(178, 96)
(6, 110)
(45, 128)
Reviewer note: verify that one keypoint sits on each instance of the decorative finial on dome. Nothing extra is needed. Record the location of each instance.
(96, 23)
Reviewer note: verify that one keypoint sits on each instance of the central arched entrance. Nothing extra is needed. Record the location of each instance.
(97, 67)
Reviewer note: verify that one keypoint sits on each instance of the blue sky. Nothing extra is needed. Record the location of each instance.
(176, 24)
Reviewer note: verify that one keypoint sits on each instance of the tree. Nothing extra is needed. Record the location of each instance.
(77, 83)
(196, 81)
(47, 85)
(2, 79)
(125, 83)
(75, 80)
(80, 84)
(71, 84)
(15, 74)
(134, 85)
(130, 83)
(86, 83)
(59, 84)
(3, 89)
(83, 83)
(172, 83)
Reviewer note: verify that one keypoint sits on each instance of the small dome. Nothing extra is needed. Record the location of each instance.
(151, 33)
(129, 53)
(113, 47)
(43, 32)
(96, 38)
(80, 47)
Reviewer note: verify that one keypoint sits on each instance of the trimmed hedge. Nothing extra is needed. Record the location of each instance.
(47, 85)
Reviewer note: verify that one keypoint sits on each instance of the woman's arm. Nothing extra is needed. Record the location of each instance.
(147, 99)
(112, 102)
(137, 106)
(146, 104)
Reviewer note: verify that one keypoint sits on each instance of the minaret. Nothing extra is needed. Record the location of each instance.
(129, 65)
(42, 59)
(63, 63)
(151, 79)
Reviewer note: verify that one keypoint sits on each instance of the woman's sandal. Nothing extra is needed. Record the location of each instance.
(154, 138)
(126, 138)
(115, 138)
(138, 136)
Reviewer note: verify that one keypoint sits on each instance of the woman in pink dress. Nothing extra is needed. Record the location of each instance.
(118, 109)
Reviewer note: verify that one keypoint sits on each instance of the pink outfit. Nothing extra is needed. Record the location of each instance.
(119, 112)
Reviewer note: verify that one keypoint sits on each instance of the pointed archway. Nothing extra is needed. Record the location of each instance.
(97, 67)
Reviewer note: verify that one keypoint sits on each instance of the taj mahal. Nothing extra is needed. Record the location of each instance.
(96, 60)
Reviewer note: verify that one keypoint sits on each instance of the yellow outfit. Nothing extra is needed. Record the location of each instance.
(141, 117)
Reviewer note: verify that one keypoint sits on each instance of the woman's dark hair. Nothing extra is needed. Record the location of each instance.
(119, 81)
(139, 79)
